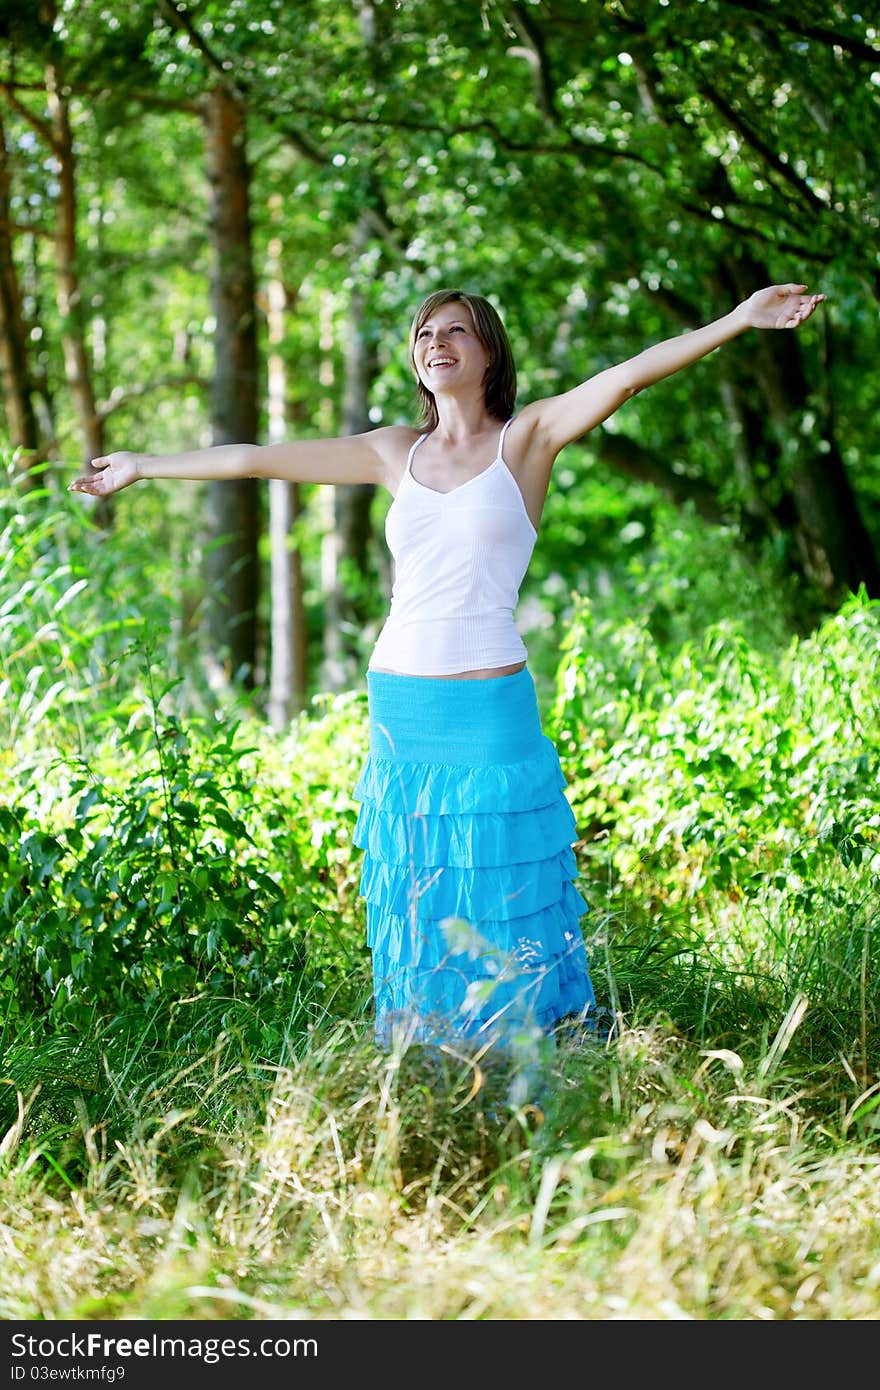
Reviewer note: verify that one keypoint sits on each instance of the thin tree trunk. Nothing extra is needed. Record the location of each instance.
(233, 506)
(77, 365)
(17, 386)
(348, 543)
(33, 286)
(351, 527)
(288, 661)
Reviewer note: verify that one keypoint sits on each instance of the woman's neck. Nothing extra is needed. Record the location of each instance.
(458, 420)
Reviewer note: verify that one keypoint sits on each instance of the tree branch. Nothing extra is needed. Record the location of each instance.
(43, 128)
(572, 146)
(31, 229)
(635, 461)
(536, 53)
(752, 138)
(121, 395)
(156, 99)
(180, 19)
(832, 37)
(809, 253)
(651, 79)
(585, 151)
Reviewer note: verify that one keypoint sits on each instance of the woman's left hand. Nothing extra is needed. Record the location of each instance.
(781, 306)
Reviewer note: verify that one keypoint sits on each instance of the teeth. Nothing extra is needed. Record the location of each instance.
(441, 361)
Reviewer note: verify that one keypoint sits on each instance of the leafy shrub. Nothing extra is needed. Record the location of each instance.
(151, 848)
(729, 803)
(78, 609)
(152, 883)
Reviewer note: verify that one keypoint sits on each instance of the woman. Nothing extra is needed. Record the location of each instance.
(473, 919)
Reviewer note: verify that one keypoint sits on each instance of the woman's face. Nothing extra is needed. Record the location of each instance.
(447, 353)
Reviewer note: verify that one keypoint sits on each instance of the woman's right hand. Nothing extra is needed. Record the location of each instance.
(111, 474)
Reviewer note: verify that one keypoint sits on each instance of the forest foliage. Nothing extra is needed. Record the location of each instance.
(159, 844)
(608, 174)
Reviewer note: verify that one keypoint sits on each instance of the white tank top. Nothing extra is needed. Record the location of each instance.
(459, 559)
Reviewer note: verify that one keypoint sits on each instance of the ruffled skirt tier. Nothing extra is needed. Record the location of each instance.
(473, 917)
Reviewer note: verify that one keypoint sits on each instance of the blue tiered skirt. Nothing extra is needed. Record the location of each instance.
(473, 918)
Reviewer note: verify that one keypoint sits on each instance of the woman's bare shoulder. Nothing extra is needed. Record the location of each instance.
(524, 446)
(393, 443)
(391, 439)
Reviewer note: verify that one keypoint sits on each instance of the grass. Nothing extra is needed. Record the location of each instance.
(662, 1179)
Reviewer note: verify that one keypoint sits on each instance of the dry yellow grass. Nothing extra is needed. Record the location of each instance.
(659, 1184)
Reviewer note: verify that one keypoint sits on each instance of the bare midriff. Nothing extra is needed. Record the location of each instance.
(487, 673)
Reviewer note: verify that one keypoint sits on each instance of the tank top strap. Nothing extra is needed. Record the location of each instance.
(412, 448)
(504, 429)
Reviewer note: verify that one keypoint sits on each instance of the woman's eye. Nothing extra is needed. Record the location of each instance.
(453, 328)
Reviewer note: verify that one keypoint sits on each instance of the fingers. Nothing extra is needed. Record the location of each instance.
(800, 289)
(93, 485)
(804, 309)
(809, 300)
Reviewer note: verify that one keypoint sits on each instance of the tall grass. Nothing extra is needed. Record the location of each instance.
(664, 1181)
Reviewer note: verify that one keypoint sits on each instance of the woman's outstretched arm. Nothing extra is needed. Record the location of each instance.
(557, 420)
(357, 458)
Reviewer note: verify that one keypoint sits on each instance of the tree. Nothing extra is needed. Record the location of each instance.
(17, 383)
(233, 507)
(54, 128)
(288, 670)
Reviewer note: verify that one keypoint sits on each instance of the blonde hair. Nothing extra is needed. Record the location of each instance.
(500, 380)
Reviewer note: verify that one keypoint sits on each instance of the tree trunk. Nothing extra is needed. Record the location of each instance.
(347, 544)
(17, 388)
(233, 506)
(77, 365)
(834, 545)
(288, 650)
(349, 539)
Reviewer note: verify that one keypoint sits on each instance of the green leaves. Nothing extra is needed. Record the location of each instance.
(187, 856)
(732, 809)
(851, 845)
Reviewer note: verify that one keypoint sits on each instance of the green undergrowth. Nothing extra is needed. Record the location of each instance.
(195, 1120)
(729, 813)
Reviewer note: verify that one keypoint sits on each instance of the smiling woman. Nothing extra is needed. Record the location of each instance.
(468, 872)
(473, 917)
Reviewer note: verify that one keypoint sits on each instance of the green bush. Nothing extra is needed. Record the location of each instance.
(151, 847)
(729, 803)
